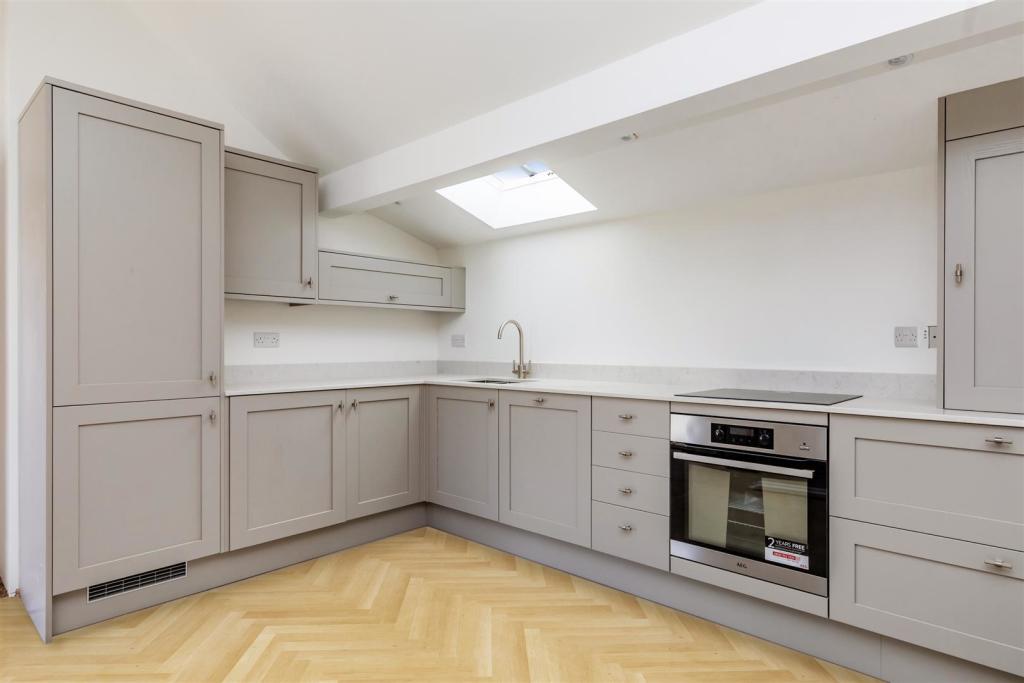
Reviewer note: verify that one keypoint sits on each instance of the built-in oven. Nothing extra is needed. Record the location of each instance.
(751, 497)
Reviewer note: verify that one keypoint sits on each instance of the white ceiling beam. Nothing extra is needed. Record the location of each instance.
(761, 39)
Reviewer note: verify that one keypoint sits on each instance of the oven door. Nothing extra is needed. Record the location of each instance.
(765, 516)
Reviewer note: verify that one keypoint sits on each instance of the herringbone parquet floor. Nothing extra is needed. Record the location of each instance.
(421, 606)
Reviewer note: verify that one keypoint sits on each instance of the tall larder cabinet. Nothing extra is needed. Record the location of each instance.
(981, 286)
(120, 338)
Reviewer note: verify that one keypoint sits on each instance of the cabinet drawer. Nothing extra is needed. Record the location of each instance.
(348, 277)
(631, 489)
(934, 592)
(631, 534)
(632, 416)
(937, 478)
(634, 453)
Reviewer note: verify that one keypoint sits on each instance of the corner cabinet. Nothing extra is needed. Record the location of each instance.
(270, 227)
(982, 282)
(288, 466)
(545, 464)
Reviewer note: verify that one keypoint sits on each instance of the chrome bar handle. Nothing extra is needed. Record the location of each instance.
(1001, 564)
(539, 399)
(626, 491)
(626, 527)
(743, 465)
(958, 273)
(999, 441)
(626, 416)
(626, 454)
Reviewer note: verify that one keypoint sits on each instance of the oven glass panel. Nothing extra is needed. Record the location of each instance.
(758, 515)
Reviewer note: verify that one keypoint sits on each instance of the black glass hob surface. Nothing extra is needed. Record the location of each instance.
(773, 396)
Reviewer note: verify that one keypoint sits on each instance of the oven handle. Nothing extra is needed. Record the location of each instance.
(743, 465)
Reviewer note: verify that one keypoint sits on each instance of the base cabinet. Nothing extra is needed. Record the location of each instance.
(545, 464)
(288, 473)
(384, 466)
(136, 486)
(462, 437)
(960, 598)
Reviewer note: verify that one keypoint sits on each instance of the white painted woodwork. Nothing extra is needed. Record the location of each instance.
(631, 489)
(631, 534)
(937, 478)
(137, 291)
(270, 228)
(384, 466)
(545, 464)
(136, 486)
(984, 312)
(634, 453)
(462, 433)
(934, 592)
(632, 416)
(288, 466)
(364, 279)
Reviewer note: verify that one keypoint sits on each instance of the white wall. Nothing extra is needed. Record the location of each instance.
(805, 278)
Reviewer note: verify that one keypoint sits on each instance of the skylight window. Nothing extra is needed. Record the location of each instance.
(516, 196)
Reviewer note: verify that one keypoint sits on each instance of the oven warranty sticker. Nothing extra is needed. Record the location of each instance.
(789, 553)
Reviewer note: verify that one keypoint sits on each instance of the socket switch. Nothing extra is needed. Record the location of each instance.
(266, 340)
(906, 337)
(458, 341)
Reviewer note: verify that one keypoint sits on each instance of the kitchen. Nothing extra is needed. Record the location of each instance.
(747, 346)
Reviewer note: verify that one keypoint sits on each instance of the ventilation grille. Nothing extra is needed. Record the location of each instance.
(137, 581)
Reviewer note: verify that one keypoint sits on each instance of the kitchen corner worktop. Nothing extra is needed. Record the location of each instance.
(876, 407)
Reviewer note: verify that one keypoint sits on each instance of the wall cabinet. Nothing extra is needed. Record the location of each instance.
(383, 449)
(963, 599)
(270, 227)
(983, 279)
(136, 486)
(288, 467)
(462, 445)
(366, 280)
(136, 253)
(545, 464)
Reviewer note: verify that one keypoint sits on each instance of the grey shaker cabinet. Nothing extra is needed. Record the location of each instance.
(288, 467)
(545, 464)
(270, 229)
(367, 280)
(963, 599)
(384, 465)
(135, 486)
(137, 291)
(462, 433)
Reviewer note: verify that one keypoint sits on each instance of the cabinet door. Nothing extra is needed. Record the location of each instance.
(383, 449)
(269, 228)
(984, 307)
(963, 599)
(136, 486)
(545, 464)
(463, 450)
(287, 465)
(137, 291)
(362, 279)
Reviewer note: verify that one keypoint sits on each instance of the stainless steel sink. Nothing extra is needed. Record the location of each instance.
(496, 380)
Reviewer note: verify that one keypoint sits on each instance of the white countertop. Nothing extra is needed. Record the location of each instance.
(894, 408)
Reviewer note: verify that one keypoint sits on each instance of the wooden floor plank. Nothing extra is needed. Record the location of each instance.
(420, 606)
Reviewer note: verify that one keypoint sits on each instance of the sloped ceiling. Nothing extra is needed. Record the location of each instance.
(332, 83)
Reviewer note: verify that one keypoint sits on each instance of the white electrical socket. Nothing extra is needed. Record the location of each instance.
(266, 340)
(458, 341)
(906, 337)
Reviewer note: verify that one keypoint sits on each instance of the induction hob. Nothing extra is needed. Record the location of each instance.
(773, 396)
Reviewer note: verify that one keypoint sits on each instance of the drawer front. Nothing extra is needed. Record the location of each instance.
(631, 534)
(946, 479)
(631, 489)
(347, 277)
(634, 453)
(632, 416)
(934, 592)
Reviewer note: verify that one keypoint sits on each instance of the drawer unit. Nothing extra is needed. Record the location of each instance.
(634, 453)
(963, 599)
(631, 416)
(956, 480)
(631, 489)
(633, 535)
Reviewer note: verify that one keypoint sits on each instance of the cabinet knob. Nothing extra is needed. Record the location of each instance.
(213, 378)
(392, 297)
(626, 416)
(626, 454)
(1001, 564)
(212, 416)
(539, 399)
(341, 405)
(490, 403)
(308, 282)
(355, 404)
(958, 273)
(626, 527)
(999, 441)
(626, 491)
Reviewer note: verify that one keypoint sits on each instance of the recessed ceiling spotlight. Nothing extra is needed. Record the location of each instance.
(902, 60)
(630, 137)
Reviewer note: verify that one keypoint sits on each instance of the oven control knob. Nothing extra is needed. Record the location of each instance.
(718, 434)
(763, 439)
